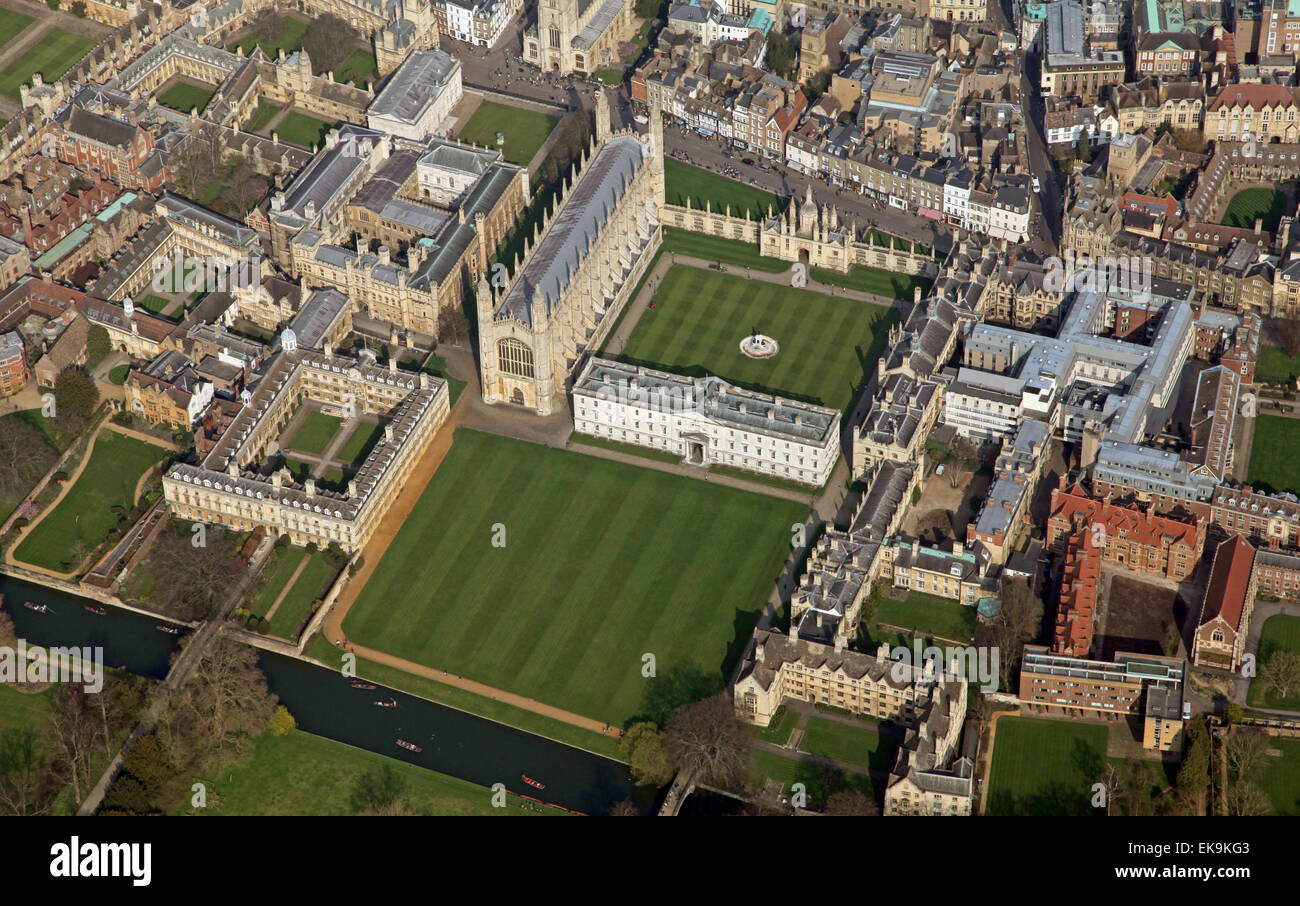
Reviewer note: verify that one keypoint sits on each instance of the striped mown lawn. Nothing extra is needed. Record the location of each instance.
(524, 130)
(277, 573)
(85, 515)
(1045, 767)
(1273, 463)
(51, 56)
(602, 564)
(12, 25)
(297, 601)
(683, 181)
(828, 344)
(315, 433)
(1279, 776)
(186, 96)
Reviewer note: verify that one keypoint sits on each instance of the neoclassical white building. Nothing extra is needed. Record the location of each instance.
(706, 421)
(419, 96)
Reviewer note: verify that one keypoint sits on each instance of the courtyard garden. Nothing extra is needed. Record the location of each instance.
(1273, 463)
(700, 317)
(1045, 767)
(186, 96)
(1246, 206)
(525, 130)
(682, 181)
(1280, 633)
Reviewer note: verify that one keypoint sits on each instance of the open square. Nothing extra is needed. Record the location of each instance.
(601, 564)
(828, 345)
(185, 96)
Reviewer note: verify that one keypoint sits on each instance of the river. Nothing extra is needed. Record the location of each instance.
(325, 703)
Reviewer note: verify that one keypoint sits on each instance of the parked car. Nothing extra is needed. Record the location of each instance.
(641, 119)
(1038, 186)
(747, 161)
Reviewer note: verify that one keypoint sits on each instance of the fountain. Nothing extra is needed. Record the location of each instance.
(759, 346)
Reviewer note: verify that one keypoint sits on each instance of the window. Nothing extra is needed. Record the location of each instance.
(515, 358)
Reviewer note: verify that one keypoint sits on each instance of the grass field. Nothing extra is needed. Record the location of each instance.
(52, 56)
(1280, 633)
(301, 129)
(315, 433)
(724, 251)
(359, 444)
(525, 130)
(1280, 776)
(861, 745)
(292, 40)
(359, 69)
(437, 366)
(1249, 204)
(782, 726)
(818, 781)
(302, 774)
(263, 115)
(874, 280)
(86, 514)
(278, 571)
(12, 25)
(295, 607)
(184, 96)
(1045, 767)
(602, 563)
(589, 440)
(23, 710)
(1276, 367)
(119, 374)
(828, 344)
(682, 181)
(1273, 463)
(929, 616)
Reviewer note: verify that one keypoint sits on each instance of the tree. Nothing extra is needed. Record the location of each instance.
(781, 54)
(329, 42)
(1281, 672)
(1016, 622)
(1245, 799)
(25, 787)
(377, 789)
(647, 9)
(199, 161)
(78, 9)
(644, 750)
(1287, 333)
(75, 395)
(282, 722)
(191, 582)
(453, 326)
(98, 345)
(1085, 148)
(26, 455)
(214, 718)
(76, 733)
(1232, 714)
(671, 689)
(1245, 748)
(851, 802)
(708, 742)
(1194, 776)
(625, 808)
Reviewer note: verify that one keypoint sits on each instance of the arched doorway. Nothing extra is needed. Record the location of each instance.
(517, 397)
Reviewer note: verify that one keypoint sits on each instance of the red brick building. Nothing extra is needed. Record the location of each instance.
(1225, 611)
(1130, 537)
(112, 148)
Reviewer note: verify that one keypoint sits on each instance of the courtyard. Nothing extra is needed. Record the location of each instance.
(828, 345)
(1273, 463)
(525, 131)
(325, 447)
(560, 576)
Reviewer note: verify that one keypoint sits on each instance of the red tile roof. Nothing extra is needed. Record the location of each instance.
(1225, 596)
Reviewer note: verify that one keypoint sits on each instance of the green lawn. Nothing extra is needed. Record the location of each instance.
(263, 115)
(295, 607)
(437, 366)
(602, 564)
(303, 130)
(119, 374)
(359, 69)
(861, 745)
(1045, 767)
(24, 710)
(929, 616)
(610, 77)
(361, 441)
(819, 782)
(1249, 204)
(1273, 463)
(828, 344)
(321, 650)
(1280, 776)
(588, 440)
(682, 181)
(292, 40)
(315, 433)
(779, 730)
(1276, 367)
(1280, 633)
(874, 280)
(12, 24)
(277, 574)
(185, 96)
(302, 774)
(52, 56)
(525, 130)
(85, 514)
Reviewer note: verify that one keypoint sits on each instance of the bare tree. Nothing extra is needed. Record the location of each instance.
(76, 733)
(1287, 332)
(25, 787)
(222, 708)
(190, 582)
(1245, 748)
(708, 741)
(851, 802)
(625, 808)
(453, 326)
(1281, 672)
(1017, 621)
(1245, 799)
(26, 456)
